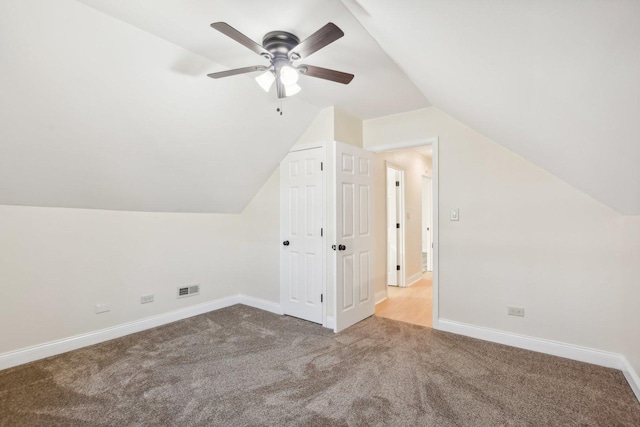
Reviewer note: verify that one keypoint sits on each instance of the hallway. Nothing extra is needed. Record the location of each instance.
(412, 304)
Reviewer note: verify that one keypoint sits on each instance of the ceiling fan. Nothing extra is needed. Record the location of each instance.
(282, 49)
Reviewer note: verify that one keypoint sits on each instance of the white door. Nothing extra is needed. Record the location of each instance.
(301, 213)
(354, 239)
(392, 231)
(427, 223)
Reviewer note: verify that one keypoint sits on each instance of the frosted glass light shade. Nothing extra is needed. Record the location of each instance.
(292, 89)
(265, 80)
(288, 75)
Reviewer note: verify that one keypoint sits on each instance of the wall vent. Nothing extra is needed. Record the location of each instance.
(188, 291)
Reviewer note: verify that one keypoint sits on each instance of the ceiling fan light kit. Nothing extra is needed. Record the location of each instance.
(282, 49)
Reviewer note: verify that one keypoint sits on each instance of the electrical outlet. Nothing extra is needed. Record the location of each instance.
(102, 308)
(144, 299)
(515, 311)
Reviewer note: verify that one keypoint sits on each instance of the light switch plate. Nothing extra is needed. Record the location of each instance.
(455, 215)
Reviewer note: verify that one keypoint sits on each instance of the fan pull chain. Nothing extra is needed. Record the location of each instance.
(279, 109)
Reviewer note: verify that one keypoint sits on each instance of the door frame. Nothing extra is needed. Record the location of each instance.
(434, 142)
(401, 212)
(304, 147)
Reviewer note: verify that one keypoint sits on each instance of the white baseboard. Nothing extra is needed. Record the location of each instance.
(380, 296)
(414, 278)
(632, 377)
(555, 348)
(40, 351)
(262, 304)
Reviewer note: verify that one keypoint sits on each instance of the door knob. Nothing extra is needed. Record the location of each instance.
(333, 247)
(286, 243)
(341, 247)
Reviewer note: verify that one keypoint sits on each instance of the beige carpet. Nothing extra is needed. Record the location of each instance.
(241, 366)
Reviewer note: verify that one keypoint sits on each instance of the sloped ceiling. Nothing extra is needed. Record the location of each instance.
(98, 113)
(557, 82)
(105, 104)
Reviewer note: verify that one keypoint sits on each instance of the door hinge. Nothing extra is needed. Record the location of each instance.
(398, 267)
(321, 166)
(397, 183)
(321, 232)
(397, 225)
(321, 298)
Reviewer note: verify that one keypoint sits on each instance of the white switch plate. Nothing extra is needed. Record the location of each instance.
(102, 308)
(455, 216)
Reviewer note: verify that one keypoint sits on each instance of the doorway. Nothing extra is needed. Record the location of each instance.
(417, 301)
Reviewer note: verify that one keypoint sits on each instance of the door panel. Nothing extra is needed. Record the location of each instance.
(302, 206)
(354, 285)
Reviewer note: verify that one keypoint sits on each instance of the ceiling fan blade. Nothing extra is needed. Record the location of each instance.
(236, 71)
(325, 73)
(231, 32)
(316, 41)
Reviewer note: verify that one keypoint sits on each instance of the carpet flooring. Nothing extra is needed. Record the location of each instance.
(241, 366)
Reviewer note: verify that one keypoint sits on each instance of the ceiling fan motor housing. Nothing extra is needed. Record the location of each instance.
(279, 43)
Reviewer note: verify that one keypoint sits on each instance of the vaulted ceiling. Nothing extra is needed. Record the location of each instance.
(106, 104)
(557, 82)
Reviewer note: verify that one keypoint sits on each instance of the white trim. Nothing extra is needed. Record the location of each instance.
(632, 377)
(380, 296)
(555, 348)
(307, 146)
(272, 307)
(331, 323)
(414, 278)
(435, 207)
(51, 348)
(401, 145)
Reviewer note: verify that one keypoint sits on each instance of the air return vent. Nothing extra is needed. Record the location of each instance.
(188, 291)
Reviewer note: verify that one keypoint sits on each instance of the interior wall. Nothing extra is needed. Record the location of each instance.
(347, 128)
(525, 238)
(414, 165)
(56, 264)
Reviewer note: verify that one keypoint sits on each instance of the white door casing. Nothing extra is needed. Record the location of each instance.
(354, 235)
(302, 207)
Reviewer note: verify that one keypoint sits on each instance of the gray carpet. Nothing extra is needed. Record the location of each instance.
(241, 366)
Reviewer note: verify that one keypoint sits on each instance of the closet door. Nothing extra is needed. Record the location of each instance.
(354, 235)
(301, 257)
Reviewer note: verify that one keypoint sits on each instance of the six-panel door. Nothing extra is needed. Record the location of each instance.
(302, 207)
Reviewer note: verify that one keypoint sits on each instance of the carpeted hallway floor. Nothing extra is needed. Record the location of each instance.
(241, 366)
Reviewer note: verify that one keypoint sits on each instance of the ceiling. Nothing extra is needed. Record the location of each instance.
(557, 82)
(379, 87)
(98, 113)
(106, 104)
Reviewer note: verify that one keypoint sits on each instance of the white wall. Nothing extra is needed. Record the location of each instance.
(414, 165)
(347, 129)
(525, 238)
(56, 264)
